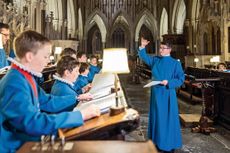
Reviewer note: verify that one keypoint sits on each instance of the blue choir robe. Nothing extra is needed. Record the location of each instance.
(12, 55)
(20, 117)
(164, 125)
(82, 81)
(92, 71)
(226, 71)
(77, 88)
(3, 61)
(61, 88)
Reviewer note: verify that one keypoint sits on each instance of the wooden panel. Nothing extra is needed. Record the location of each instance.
(94, 128)
(221, 92)
(224, 107)
(91, 147)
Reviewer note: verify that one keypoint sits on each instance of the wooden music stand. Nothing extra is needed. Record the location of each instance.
(203, 126)
(104, 127)
(90, 147)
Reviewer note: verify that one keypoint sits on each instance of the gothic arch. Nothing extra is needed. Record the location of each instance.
(178, 18)
(121, 24)
(99, 19)
(146, 18)
(163, 23)
(124, 16)
(120, 21)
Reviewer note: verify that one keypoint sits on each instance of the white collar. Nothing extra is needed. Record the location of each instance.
(24, 68)
(57, 77)
(84, 75)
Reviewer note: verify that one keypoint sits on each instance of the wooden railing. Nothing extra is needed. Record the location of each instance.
(221, 93)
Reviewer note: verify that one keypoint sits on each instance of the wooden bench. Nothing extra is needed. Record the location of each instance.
(144, 71)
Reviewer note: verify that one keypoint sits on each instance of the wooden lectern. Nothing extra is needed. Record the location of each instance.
(104, 127)
(90, 147)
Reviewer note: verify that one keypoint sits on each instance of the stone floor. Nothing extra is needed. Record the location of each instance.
(138, 98)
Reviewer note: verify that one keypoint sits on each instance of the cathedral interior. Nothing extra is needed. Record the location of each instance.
(199, 31)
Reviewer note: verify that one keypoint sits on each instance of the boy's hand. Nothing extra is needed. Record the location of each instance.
(144, 42)
(164, 82)
(90, 112)
(87, 87)
(86, 96)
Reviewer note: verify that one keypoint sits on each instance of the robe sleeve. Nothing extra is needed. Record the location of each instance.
(178, 79)
(77, 88)
(149, 60)
(3, 61)
(21, 113)
(53, 104)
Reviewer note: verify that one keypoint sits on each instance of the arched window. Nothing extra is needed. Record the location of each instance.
(94, 41)
(118, 38)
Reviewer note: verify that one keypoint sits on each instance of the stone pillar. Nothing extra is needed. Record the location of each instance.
(38, 16)
(103, 45)
(64, 23)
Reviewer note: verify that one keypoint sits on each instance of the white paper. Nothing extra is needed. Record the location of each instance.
(153, 83)
(104, 103)
(101, 82)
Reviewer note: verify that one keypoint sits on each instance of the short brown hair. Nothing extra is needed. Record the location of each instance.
(68, 51)
(83, 67)
(4, 26)
(29, 41)
(223, 64)
(66, 63)
(167, 43)
(93, 56)
(80, 54)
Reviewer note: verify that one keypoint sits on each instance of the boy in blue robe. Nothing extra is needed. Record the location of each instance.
(73, 53)
(222, 67)
(4, 37)
(81, 57)
(163, 126)
(68, 71)
(22, 100)
(94, 68)
(82, 80)
(69, 52)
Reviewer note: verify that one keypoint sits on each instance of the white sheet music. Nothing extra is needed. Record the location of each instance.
(152, 83)
(104, 103)
(102, 81)
(101, 91)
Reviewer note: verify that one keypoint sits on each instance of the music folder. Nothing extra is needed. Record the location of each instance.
(152, 83)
